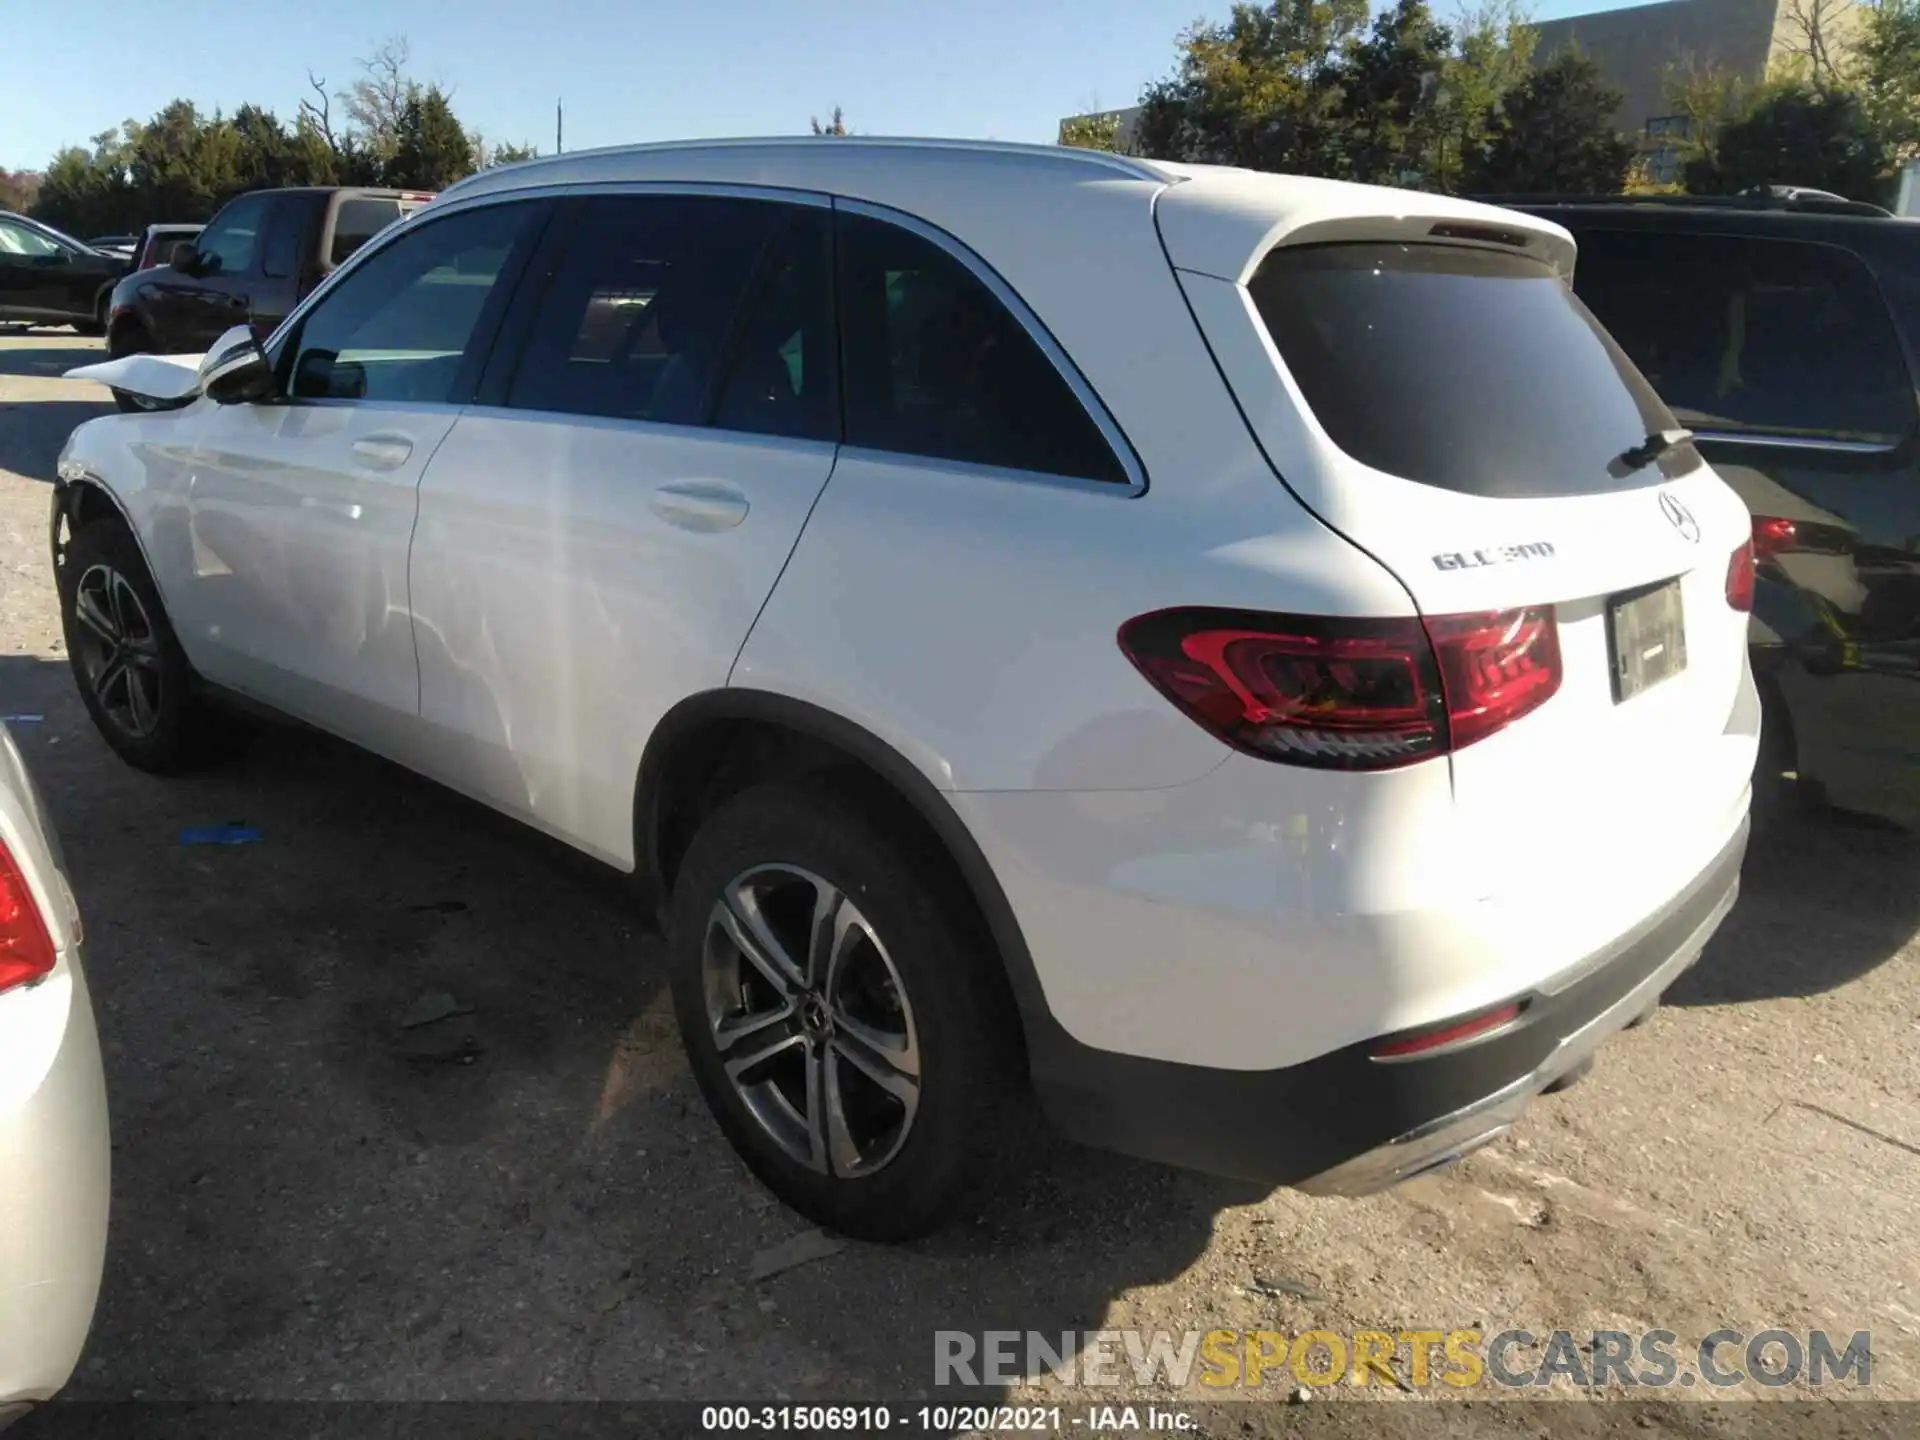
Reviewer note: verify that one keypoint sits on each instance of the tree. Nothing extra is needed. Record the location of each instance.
(1886, 74)
(431, 150)
(1553, 133)
(1797, 135)
(1493, 51)
(18, 189)
(377, 102)
(1389, 85)
(1092, 132)
(835, 126)
(1709, 99)
(1813, 38)
(1262, 90)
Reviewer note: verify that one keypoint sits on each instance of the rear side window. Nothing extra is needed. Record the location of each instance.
(1471, 370)
(780, 380)
(935, 365)
(637, 318)
(1743, 335)
(357, 220)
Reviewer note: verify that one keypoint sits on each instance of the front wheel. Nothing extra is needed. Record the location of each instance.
(133, 676)
(840, 1013)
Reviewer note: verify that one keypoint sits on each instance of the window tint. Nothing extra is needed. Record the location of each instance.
(1473, 370)
(781, 378)
(227, 244)
(935, 365)
(281, 257)
(636, 319)
(1740, 334)
(24, 241)
(357, 220)
(398, 327)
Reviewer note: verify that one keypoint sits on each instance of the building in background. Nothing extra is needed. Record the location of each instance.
(1635, 49)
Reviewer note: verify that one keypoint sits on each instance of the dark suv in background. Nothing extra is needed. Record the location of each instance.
(255, 260)
(47, 278)
(1786, 335)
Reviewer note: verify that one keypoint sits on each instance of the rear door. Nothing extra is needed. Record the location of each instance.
(1783, 355)
(1439, 397)
(597, 534)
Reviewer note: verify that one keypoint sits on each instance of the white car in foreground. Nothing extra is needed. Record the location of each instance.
(53, 1110)
(1244, 653)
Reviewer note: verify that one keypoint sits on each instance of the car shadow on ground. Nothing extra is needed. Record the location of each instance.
(49, 362)
(33, 430)
(1836, 896)
(524, 1196)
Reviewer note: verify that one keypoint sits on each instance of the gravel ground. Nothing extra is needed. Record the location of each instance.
(528, 1200)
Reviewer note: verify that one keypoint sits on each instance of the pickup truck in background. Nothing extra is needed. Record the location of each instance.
(255, 260)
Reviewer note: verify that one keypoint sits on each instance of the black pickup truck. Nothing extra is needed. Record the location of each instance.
(255, 260)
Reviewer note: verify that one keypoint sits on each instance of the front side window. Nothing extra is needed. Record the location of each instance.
(936, 365)
(1470, 370)
(25, 242)
(1752, 336)
(400, 326)
(637, 318)
(227, 244)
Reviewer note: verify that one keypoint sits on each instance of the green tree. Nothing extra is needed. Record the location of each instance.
(1797, 135)
(1389, 90)
(1710, 99)
(1493, 52)
(1886, 74)
(1092, 132)
(431, 150)
(1553, 133)
(1262, 90)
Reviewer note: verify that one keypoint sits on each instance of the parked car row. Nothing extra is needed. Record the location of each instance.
(1337, 671)
(47, 278)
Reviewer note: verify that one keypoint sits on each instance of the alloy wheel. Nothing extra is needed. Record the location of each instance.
(811, 1020)
(119, 650)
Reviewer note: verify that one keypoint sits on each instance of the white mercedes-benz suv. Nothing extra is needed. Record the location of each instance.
(1246, 655)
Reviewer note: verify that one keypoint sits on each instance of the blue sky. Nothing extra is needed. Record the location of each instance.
(630, 70)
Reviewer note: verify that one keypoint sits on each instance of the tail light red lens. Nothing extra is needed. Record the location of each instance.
(1456, 1032)
(1740, 576)
(1774, 535)
(1347, 694)
(26, 950)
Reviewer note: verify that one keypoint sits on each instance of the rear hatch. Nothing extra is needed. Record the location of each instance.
(1422, 378)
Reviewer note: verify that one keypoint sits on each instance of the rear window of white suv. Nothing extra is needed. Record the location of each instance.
(1468, 369)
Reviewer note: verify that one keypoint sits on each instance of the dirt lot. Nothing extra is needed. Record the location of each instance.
(529, 1201)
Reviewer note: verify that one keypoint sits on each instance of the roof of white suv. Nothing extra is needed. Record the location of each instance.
(1214, 219)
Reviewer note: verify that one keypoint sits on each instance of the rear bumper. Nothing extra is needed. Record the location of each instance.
(1347, 1124)
(54, 1180)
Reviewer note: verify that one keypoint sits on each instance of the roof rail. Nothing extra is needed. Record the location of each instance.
(1798, 199)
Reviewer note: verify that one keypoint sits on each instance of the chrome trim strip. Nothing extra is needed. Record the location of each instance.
(1116, 438)
(1797, 442)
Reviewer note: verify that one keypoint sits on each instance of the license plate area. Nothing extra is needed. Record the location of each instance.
(1646, 638)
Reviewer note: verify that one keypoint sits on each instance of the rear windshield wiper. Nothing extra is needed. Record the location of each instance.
(1648, 451)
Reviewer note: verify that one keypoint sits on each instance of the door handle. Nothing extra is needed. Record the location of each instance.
(700, 505)
(382, 452)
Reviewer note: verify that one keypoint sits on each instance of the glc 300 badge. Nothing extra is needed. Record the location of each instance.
(1495, 555)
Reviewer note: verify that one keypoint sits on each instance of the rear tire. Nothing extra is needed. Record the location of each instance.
(134, 678)
(840, 1012)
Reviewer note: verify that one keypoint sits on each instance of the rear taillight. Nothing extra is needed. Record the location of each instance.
(1449, 1035)
(1740, 577)
(26, 950)
(1773, 535)
(1347, 694)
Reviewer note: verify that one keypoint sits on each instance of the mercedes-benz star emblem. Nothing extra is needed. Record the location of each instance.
(1680, 518)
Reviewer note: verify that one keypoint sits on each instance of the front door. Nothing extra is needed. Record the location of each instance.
(300, 510)
(192, 310)
(597, 536)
